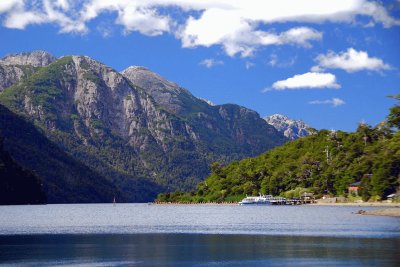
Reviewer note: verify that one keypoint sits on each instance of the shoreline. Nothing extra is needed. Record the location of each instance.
(361, 204)
(353, 204)
(392, 212)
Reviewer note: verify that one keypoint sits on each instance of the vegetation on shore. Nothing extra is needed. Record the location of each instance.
(325, 163)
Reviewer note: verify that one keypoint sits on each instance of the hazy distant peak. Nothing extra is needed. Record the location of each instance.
(292, 129)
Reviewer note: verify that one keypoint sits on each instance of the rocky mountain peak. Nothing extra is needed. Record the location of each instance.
(168, 94)
(292, 129)
(37, 58)
(147, 79)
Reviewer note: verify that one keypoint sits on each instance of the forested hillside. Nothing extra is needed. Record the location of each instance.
(17, 186)
(324, 163)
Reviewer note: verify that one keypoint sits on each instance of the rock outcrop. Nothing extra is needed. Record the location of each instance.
(15, 67)
(37, 58)
(292, 129)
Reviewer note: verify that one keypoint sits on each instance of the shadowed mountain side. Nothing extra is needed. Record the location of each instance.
(63, 179)
(18, 186)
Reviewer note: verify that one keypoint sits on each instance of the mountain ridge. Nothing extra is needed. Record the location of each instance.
(126, 133)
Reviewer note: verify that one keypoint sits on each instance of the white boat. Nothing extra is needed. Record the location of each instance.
(260, 200)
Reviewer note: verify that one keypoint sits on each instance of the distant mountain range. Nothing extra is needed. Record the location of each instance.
(131, 134)
(292, 129)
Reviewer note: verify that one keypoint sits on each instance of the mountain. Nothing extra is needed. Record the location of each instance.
(37, 58)
(142, 133)
(292, 129)
(63, 178)
(15, 67)
(229, 130)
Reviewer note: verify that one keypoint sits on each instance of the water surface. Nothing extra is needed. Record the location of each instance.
(196, 235)
(207, 219)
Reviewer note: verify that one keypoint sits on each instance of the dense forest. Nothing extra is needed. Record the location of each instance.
(17, 185)
(325, 163)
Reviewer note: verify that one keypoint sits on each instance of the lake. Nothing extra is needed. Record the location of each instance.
(195, 235)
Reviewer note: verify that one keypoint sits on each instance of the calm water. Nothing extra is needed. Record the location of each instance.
(195, 235)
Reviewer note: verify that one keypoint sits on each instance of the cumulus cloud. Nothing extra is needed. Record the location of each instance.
(210, 62)
(236, 35)
(21, 15)
(8, 5)
(239, 27)
(309, 80)
(138, 16)
(350, 61)
(335, 102)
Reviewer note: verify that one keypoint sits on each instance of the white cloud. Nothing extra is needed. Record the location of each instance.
(210, 62)
(335, 102)
(378, 13)
(140, 16)
(239, 27)
(45, 11)
(350, 61)
(239, 36)
(7, 5)
(309, 80)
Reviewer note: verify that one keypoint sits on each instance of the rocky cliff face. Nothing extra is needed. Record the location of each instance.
(169, 95)
(36, 59)
(136, 125)
(227, 129)
(292, 129)
(15, 67)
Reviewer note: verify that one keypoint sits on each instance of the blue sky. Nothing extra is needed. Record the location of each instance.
(329, 63)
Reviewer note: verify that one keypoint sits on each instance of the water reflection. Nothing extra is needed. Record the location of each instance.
(196, 250)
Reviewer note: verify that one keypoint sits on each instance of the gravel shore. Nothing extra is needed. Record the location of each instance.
(395, 212)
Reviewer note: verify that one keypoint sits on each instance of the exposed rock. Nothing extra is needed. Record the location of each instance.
(169, 95)
(292, 129)
(37, 58)
(15, 67)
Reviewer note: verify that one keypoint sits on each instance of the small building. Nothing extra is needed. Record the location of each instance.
(307, 197)
(353, 188)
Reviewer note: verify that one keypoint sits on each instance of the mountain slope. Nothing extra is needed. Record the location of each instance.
(64, 179)
(15, 67)
(292, 129)
(121, 131)
(17, 186)
(229, 130)
(324, 163)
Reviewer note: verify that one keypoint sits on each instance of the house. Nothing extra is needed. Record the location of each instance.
(353, 188)
(307, 197)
